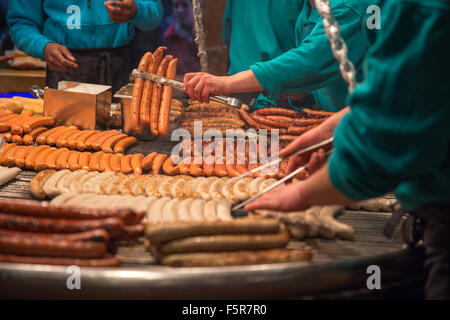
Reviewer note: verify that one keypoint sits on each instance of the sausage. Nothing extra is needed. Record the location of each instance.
(62, 160)
(94, 263)
(115, 162)
(7, 136)
(220, 169)
(125, 164)
(278, 112)
(94, 138)
(43, 245)
(114, 226)
(94, 161)
(250, 122)
(37, 182)
(309, 113)
(196, 170)
(31, 157)
(41, 160)
(17, 122)
(62, 139)
(97, 144)
(156, 96)
(83, 160)
(72, 140)
(287, 138)
(300, 130)
(17, 139)
(148, 161)
(148, 86)
(97, 235)
(131, 233)
(21, 155)
(37, 122)
(269, 123)
(28, 139)
(158, 162)
(52, 138)
(210, 107)
(280, 118)
(4, 113)
(137, 92)
(123, 144)
(208, 166)
(169, 168)
(73, 160)
(8, 159)
(81, 140)
(231, 170)
(109, 143)
(5, 149)
(307, 122)
(166, 100)
(42, 138)
(136, 163)
(104, 163)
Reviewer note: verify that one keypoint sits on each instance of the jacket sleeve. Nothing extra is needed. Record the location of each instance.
(311, 65)
(398, 127)
(149, 14)
(26, 19)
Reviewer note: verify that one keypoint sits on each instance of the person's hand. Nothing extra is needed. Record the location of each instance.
(200, 85)
(121, 11)
(59, 58)
(316, 135)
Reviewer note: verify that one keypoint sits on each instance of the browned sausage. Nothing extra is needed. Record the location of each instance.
(196, 169)
(62, 139)
(28, 139)
(97, 145)
(21, 155)
(37, 122)
(104, 163)
(220, 169)
(42, 138)
(148, 161)
(83, 160)
(109, 143)
(136, 163)
(270, 123)
(169, 168)
(52, 138)
(310, 113)
(231, 169)
(51, 159)
(16, 139)
(114, 162)
(158, 162)
(41, 160)
(94, 138)
(81, 140)
(137, 92)
(156, 96)
(125, 164)
(36, 185)
(250, 122)
(278, 112)
(166, 100)
(73, 160)
(94, 161)
(8, 159)
(62, 161)
(93, 263)
(123, 144)
(72, 141)
(30, 159)
(300, 130)
(280, 118)
(208, 165)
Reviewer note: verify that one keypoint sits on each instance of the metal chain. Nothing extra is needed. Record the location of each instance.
(200, 35)
(338, 46)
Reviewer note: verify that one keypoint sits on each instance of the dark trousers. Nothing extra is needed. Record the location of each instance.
(96, 66)
(436, 237)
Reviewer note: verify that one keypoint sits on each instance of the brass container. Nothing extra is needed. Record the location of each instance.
(124, 94)
(79, 104)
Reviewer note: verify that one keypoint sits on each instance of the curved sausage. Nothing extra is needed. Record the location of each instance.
(81, 140)
(280, 118)
(42, 138)
(169, 168)
(250, 122)
(8, 159)
(136, 163)
(97, 145)
(156, 96)
(231, 170)
(300, 130)
(73, 160)
(38, 181)
(94, 161)
(93, 263)
(16, 139)
(196, 169)
(166, 100)
(37, 122)
(147, 162)
(62, 161)
(272, 124)
(52, 138)
(41, 160)
(208, 166)
(287, 138)
(137, 92)
(114, 162)
(5, 149)
(220, 169)
(62, 139)
(72, 140)
(51, 159)
(104, 163)
(31, 157)
(94, 138)
(309, 113)
(123, 144)
(21, 155)
(83, 160)
(109, 143)
(278, 112)
(125, 164)
(28, 139)
(307, 122)
(158, 162)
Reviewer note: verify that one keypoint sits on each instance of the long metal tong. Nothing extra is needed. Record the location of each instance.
(236, 103)
(276, 184)
(276, 161)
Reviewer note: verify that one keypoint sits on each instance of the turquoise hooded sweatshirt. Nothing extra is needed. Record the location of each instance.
(35, 23)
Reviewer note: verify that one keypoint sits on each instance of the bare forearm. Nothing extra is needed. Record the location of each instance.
(244, 81)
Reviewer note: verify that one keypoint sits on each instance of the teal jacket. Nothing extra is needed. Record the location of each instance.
(311, 66)
(259, 30)
(34, 23)
(397, 136)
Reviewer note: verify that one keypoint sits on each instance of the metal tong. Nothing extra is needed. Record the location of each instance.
(234, 102)
(276, 161)
(276, 184)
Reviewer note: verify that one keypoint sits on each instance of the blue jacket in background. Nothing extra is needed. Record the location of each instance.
(35, 23)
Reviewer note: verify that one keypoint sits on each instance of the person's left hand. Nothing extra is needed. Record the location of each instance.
(200, 85)
(121, 11)
(288, 198)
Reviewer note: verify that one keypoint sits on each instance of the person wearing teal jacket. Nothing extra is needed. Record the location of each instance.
(274, 22)
(309, 67)
(81, 40)
(395, 137)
